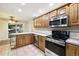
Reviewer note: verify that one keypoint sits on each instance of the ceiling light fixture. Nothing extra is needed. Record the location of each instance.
(19, 10)
(40, 11)
(51, 4)
(34, 15)
(22, 3)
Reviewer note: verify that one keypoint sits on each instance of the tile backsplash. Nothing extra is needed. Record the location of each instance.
(43, 32)
(74, 35)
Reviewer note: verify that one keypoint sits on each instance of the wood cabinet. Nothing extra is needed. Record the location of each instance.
(74, 14)
(19, 40)
(34, 23)
(53, 13)
(72, 50)
(72, 10)
(37, 22)
(25, 39)
(63, 10)
(42, 43)
(45, 21)
(41, 22)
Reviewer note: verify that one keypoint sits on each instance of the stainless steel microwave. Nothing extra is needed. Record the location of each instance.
(59, 21)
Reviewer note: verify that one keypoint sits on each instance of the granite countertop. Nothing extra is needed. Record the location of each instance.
(73, 41)
(42, 34)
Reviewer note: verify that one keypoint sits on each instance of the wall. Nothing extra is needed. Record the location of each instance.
(27, 26)
(3, 29)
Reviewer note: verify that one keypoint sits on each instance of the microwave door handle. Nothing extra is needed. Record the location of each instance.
(60, 21)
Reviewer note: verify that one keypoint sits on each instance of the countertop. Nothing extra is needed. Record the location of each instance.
(73, 41)
(42, 34)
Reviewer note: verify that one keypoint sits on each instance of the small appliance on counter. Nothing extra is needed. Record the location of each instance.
(55, 43)
(59, 21)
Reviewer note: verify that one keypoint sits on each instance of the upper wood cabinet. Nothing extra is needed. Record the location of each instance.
(37, 22)
(72, 10)
(72, 50)
(34, 23)
(41, 22)
(53, 13)
(63, 10)
(45, 21)
(74, 14)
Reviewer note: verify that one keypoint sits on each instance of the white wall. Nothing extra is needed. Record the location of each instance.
(3, 30)
(28, 26)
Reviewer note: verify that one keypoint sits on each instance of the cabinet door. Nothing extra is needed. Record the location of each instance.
(45, 21)
(28, 39)
(70, 50)
(74, 14)
(23, 40)
(38, 23)
(18, 41)
(42, 43)
(34, 23)
(63, 10)
(53, 13)
(77, 51)
(78, 12)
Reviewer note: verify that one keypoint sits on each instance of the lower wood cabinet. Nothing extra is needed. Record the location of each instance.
(22, 40)
(42, 43)
(19, 40)
(72, 50)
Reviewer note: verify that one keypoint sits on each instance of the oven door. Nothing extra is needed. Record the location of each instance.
(55, 48)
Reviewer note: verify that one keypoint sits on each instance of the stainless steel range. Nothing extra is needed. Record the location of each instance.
(55, 43)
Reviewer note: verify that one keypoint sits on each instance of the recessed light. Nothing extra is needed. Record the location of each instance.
(34, 15)
(22, 3)
(51, 4)
(41, 10)
(19, 10)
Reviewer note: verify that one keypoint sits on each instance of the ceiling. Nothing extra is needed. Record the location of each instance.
(29, 10)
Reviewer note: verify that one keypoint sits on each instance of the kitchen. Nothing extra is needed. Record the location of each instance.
(53, 33)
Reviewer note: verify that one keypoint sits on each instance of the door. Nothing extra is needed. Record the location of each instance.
(77, 50)
(45, 21)
(34, 23)
(42, 43)
(28, 39)
(74, 14)
(70, 50)
(53, 13)
(19, 40)
(78, 11)
(63, 10)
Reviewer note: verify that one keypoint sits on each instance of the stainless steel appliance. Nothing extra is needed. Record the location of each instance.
(55, 43)
(59, 21)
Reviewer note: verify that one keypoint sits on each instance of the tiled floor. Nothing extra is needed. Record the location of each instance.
(5, 50)
(29, 50)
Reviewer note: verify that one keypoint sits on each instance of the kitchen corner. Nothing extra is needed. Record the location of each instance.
(54, 33)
